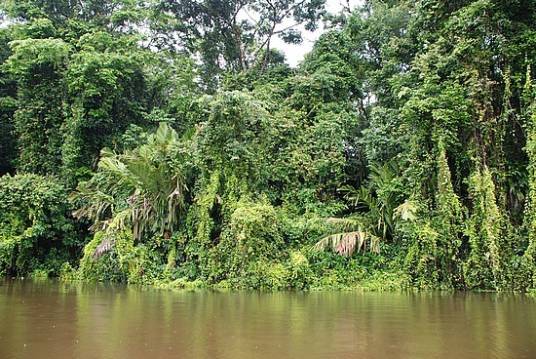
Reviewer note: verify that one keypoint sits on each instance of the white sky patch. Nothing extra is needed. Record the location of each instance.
(295, 53)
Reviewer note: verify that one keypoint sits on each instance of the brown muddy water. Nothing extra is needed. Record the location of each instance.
(55, 320)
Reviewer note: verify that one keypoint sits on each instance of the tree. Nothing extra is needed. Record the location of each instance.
(233, 35)
(8, 106)
(38, 66)
(106, 86)
(116, 15)
(142, 191)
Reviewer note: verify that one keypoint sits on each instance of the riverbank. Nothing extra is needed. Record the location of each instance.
(298, 270)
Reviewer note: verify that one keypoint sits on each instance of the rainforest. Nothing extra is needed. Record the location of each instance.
(169, 143)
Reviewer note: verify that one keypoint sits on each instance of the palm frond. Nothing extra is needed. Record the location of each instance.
(347, 224)
(104, 247)
(141, 190)
(347, 243)
(407, 211)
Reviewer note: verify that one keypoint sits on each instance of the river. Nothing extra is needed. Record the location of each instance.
(58, 320)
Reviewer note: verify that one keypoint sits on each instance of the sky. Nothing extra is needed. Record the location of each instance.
(295, 53)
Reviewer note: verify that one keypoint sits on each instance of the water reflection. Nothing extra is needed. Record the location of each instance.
(55, 320)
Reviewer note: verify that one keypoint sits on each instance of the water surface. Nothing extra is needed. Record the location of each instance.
(54, 320)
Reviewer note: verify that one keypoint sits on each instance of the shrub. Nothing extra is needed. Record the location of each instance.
(252, 234)
(299, 275)
(34, 222)
(114, 257)
(265, 275)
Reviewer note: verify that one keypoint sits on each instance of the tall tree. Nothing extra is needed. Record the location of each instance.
(234, 35)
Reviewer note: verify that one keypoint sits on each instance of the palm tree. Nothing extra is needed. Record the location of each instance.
(142, 190)
(379, 204)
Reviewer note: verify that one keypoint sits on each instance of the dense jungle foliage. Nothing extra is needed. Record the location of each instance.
(167, 142)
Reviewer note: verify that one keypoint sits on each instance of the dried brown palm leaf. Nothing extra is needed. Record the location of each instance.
(347, 243)
(106, 246)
